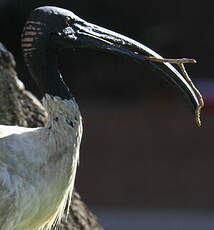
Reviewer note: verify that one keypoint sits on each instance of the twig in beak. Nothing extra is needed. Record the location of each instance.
(180, 63)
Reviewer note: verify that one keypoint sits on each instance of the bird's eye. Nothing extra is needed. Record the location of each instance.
(68, 21)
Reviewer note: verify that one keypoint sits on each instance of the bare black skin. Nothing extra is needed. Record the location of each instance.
(61, 29)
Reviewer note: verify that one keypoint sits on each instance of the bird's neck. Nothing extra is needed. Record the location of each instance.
(43, 66)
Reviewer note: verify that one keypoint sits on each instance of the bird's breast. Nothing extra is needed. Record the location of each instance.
(57, 175)
(37, 172)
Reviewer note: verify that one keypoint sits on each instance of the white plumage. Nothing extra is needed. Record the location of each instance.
(38, 167)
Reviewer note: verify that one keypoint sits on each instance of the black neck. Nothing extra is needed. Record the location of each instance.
(43, 67)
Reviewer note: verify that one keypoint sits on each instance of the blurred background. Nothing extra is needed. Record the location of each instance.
(144, 163)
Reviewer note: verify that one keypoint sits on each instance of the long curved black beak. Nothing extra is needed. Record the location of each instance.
(96, 37)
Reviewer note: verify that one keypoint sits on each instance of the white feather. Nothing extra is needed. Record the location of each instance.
(38, 167)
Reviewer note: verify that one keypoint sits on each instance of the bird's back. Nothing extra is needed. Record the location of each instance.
(35, 176)
(13, 186)
(20, 152)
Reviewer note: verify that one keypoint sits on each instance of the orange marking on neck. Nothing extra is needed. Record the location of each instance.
(26, 45)
(30, 33)
(27, 39)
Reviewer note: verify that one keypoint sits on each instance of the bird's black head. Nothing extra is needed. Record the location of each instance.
(50, 29)
(48, 26)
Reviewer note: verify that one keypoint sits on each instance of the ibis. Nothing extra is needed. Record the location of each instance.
(38, 165)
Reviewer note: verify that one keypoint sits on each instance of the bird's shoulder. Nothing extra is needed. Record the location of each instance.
(7, 130)
(21, 145)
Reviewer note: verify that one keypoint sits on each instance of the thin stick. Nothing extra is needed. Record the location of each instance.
(172, 60)
(180, 63)
(199, 96)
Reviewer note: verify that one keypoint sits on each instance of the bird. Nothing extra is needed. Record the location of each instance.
(38, 165)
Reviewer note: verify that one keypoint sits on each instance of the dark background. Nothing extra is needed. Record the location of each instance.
(141, 148)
